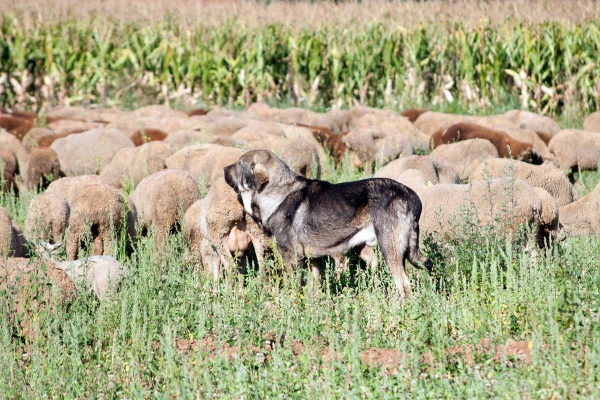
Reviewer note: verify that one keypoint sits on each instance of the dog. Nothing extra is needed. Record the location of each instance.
(310, 218)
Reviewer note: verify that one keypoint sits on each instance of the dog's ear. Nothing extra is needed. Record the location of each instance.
(261, 175)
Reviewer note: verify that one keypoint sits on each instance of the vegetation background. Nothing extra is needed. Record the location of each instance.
(167, 334)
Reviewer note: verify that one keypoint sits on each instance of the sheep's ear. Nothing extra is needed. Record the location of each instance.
(261, 175)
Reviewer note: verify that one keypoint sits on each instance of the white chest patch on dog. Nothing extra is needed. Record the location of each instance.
(364, 236)
(247, 200)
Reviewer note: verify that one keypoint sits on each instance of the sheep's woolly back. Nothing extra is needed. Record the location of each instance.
(420, 163)
(43, 167)
(31, 140)
(582, 217)
(87, 152)
(544, 176)
(412, 178)
(136, 163)
(374, 144)
(397, 125)
(158, 111)
(464, 157)
(592, 122)
(68, 187)
(162, 198)
(431, 122)
(47, 217)
(205, 162)
(532, 121)
(180, 139)
(576, 148)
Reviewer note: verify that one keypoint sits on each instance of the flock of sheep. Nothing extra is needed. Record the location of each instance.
(504, 171)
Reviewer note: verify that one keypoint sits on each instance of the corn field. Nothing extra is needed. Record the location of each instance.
(551, 65)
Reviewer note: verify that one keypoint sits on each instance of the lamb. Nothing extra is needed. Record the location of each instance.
(204, 162)
(581, 217)
(134, 164)
(547, 177)
(432, 171)
(576, 149)
(592, 122)
(376, 145)
(431, 122)
(464, 157)
(155, 209)
(86, 152)
(98, 274)
(43, 167)
(102, 211)
(47, 218)
(532, 121)
(12, 242)
(507, 146)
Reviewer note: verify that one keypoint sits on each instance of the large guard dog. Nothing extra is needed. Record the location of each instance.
(312, 218)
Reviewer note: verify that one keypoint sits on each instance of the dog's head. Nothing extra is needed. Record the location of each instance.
(253, 173)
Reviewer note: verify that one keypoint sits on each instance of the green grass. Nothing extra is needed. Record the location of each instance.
(485, 287)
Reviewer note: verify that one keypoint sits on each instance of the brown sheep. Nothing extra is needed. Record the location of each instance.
(47, 218)
(329, 140)
(547, 177)
(533, 121)
(413, 113)
(15, 125)
(43, 168)
(431, 122)
(104, 212)
(582, 217)
(135, 163)
(539, 149)
(592, 122)
(507, 146)
(196, 111)
(12, 242)
(464, 157)
(155, 209)
(147, 135)
(19, 114)
(576, 149)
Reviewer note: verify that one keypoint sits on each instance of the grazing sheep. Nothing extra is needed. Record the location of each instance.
(32, 139)
(357, 112)
(295, 115)
(47, 218)
(329, 140)
(431, 122)
(8, 161)
(19, 114)
(532, 121)
(161, 198)
(464, 157)
(102, 211)
(16, 125)
(432, 171)
(220, 126)
(68, 113)
(503, 203)
(204, 162)
(582, 217)
(68, 187)
(8, 141)
(413, 113)
(34, 288)
(12, 242)
(339, 120)
(576, 149)
(592, 122)
(65, 127)
(42, 169)
(373, 144)
(539, 148)
(180, 139)
(86, 152)
(547, 177)
(397, 125)
(196, 112)
(135, 163)
(147, 135)
(158, 111)
(413, 178)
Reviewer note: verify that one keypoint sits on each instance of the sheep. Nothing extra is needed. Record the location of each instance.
(532, 121)
(86, 152)
(329, 140)
(432, 172)
(180, 139)
(10, 142)
(502, 203)
(295, 115)
(431, 122)
(547, 177)
(464, 157)
(357, 112)
(16, 125)
(136, 163)
(12, 242)
(592, 122)
(223, 229)
(507, 146)
(68, 187)
(65, 127)
(398, 125)
(161, 198)
(8, 161)
(146, 135)
(576, 149)
(9, 184)
(220, 126)
(204, 162)
(581, 217)
(158, 111)
(196, 112)
(373, 144)
(539, 144)
(339, 120)
(47, 218)
(43, 167)
(98, 274)
(68, 113)
(413, 178)
(413, 113)
(99, 208)
(32, 139)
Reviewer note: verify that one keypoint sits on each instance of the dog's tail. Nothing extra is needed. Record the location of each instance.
(414, 254)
